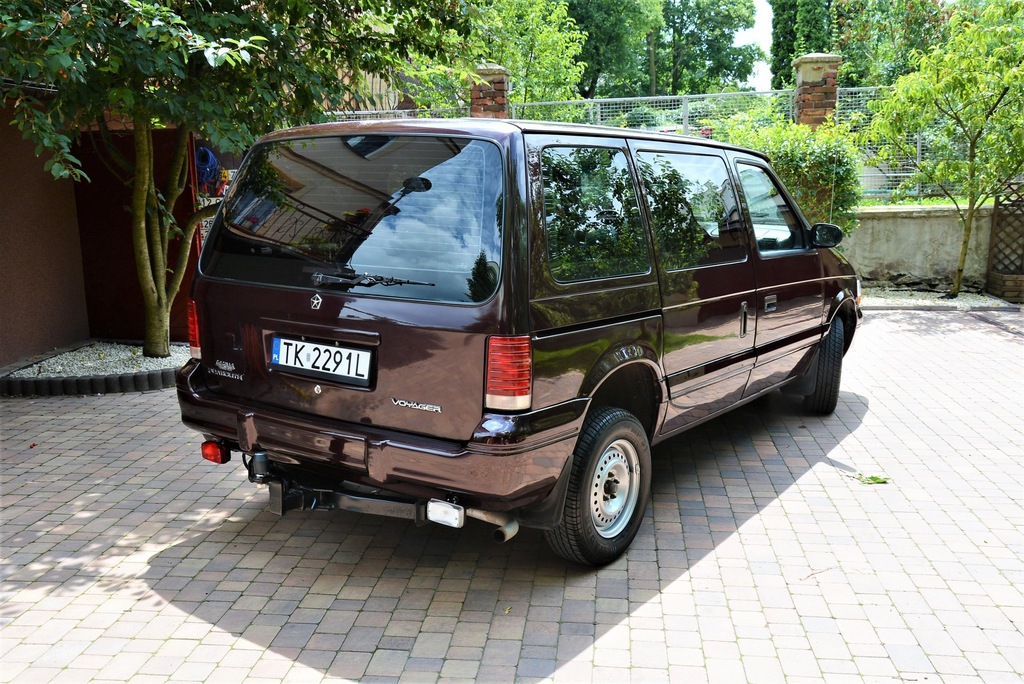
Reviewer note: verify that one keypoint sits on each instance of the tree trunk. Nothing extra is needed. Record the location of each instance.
(968, 225)
(652, 64)
(158, 332)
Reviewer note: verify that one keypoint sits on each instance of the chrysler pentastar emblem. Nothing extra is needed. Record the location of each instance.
(316, 301)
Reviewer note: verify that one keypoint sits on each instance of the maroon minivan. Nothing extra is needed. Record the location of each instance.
(496, 319)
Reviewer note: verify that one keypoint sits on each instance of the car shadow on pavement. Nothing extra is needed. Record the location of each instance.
(356, 596)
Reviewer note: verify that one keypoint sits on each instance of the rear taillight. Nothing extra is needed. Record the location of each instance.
(193, 331)
(215, 452)
(509, 373)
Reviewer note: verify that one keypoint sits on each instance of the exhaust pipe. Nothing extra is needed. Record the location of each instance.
(507, 526)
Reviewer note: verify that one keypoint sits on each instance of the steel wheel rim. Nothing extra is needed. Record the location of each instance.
(615, 489)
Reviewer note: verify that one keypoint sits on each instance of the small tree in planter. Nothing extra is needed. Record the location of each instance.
(226, 71)
(968, 97)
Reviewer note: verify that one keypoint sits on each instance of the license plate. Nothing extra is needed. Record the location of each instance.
(326, 361)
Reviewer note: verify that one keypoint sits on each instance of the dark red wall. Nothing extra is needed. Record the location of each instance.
(42, 302)
(113, 296)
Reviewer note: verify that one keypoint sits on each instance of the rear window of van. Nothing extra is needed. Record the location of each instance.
(415, 217)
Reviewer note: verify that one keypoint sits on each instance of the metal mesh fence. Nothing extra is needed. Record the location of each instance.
(686, 114)
(447, 113)
(880, 179)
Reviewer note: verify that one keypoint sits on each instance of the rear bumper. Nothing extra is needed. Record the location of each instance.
(511, 461)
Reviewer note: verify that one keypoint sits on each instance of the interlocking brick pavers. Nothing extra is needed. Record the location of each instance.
(767, 554)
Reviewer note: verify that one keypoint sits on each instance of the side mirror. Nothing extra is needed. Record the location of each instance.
(826, 235)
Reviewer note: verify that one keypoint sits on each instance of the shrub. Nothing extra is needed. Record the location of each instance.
(820, 167)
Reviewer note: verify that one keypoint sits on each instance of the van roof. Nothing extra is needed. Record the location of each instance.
(490, 128)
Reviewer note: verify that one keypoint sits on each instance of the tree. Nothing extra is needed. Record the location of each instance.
(536, 40)
(812, 26)
(783, 43)
(219, 69)
(967, 98)
(617, 32)
(877, 38)
(693, 52)
(700, 54)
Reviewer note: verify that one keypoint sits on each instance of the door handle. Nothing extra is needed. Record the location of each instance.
(743, 320)
(771, 303)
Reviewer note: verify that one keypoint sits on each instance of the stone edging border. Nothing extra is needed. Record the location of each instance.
(89, 384)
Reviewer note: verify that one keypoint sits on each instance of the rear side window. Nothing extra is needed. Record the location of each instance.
(415, 217)
(591, 215)
(694, 215)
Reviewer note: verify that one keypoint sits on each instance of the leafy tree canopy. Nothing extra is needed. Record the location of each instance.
(536, 40)
(693, 52)
(226, 71)
(877, 38)
(966, 98)
(617, 32)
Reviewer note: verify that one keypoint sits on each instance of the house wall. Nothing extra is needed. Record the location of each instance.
(42, 291)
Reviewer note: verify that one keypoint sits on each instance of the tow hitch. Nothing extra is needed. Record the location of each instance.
(289, 496)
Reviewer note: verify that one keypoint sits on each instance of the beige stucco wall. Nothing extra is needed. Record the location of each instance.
(918, 245)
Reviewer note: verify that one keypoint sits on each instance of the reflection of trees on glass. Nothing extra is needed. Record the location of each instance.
(483, 280)
(693, 209)
(591, 215)
(682, 241)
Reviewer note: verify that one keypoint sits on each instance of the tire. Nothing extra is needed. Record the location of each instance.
(609, 486)
(825, 396)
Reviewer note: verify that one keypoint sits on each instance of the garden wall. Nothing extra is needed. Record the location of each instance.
(918, 246)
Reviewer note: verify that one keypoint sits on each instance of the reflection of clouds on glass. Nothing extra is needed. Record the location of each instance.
(440, 229)
(421, 208)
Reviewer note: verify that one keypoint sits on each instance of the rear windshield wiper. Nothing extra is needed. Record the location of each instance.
(363, 280)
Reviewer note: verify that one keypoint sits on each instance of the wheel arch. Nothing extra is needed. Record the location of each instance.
(633, 386)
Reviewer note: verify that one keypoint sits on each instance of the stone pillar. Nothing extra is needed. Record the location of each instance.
(816, 87)
(489, 100)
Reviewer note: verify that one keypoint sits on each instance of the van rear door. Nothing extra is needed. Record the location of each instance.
(352, 276)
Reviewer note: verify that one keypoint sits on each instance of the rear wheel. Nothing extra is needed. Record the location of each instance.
(609, 485)
(825, 396)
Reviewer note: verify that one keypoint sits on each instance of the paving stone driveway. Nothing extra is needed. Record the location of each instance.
(767, 555)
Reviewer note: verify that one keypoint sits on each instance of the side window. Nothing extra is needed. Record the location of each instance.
(694, 215)
(591, 215)
(776, 226)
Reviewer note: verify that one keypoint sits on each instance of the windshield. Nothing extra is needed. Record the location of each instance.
(422, 213)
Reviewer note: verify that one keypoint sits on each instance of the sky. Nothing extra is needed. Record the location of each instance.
(762, 35)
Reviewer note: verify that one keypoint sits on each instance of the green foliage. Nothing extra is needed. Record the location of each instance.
(783, 43)
(967, 96)
(643, 117)
(812, 27)
(878, 38)
(616, 32)
(693, 53)
(820, 167)
(536, 40)
(226, 71)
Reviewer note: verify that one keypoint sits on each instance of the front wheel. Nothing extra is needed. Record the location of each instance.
(609, 485)
(825, 397)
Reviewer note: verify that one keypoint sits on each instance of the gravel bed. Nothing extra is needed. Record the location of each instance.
(891, 298)
(102, 358)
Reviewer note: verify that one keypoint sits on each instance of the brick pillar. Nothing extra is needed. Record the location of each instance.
(489, 100)
(816, 87)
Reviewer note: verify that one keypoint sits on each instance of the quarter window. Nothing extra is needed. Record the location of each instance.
(591, 215)
(776, 226)
(694, 215)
